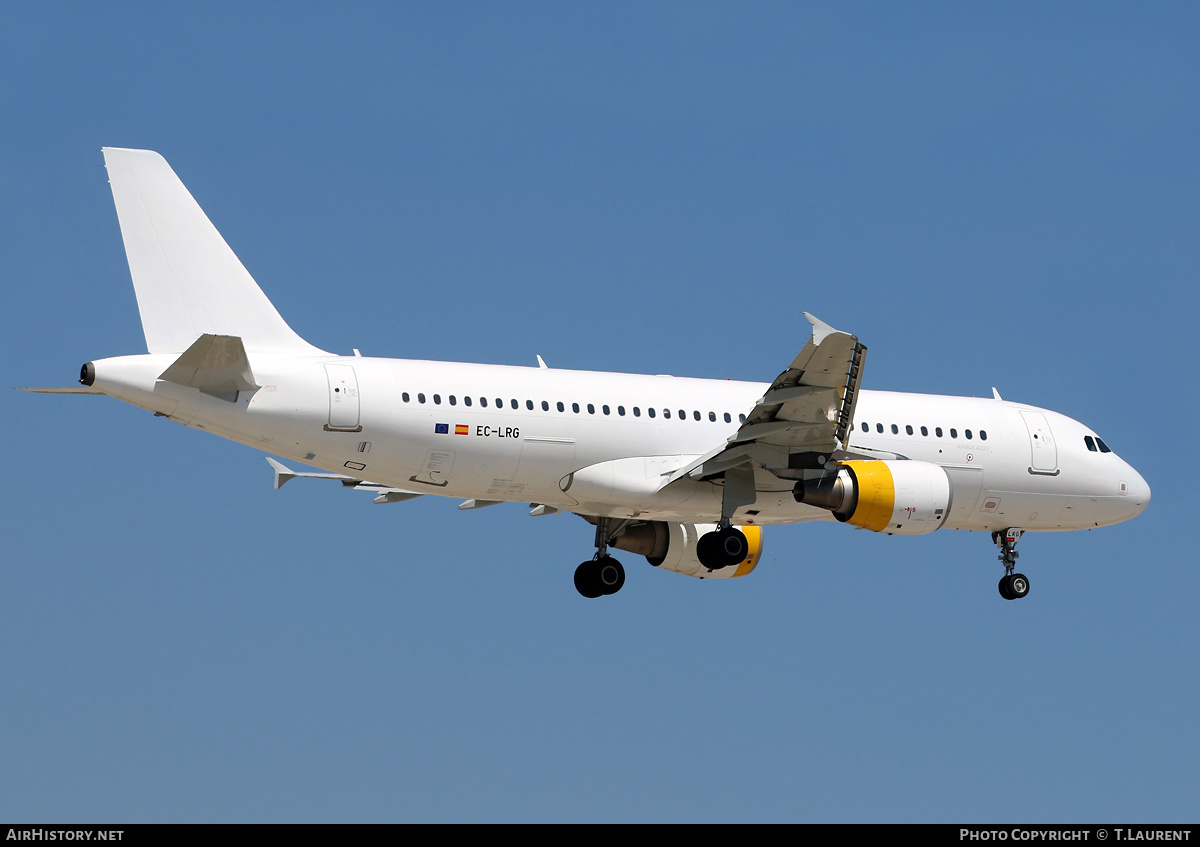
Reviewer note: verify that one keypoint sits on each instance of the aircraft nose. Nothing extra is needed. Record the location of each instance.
(1138, 492)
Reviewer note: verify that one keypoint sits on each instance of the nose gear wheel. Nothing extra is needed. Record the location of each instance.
(1013, 586)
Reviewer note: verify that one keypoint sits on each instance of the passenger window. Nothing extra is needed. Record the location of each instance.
(895, 430)
(561, 407)
(637, 412)
(437, 399)
(528, 404)
(467, 400)
(591, 409)
(404, 396)
(666, 413)
(575, 408)
(968, 434)
(866, 427)
(1091, 445)
(453, 400)
(953, 432)
(938, 431)
(604, 409)
(983, 435)
(908, 429)
(712, 416)
(621, 411)
(741, 418)
(728, 419)
(1103, 447)
(925, 431)
(545, 406)
(879, 427)
(650, 411)
(420, 398)
(682, 415)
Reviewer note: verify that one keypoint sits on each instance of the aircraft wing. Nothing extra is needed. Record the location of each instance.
(804, 417)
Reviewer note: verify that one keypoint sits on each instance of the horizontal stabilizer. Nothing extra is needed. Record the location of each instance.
(386, 494)
(70, 389)
(216, 364)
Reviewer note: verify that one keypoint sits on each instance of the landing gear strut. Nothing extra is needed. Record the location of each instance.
(601, 574)
(1013, 586)
(726, 545)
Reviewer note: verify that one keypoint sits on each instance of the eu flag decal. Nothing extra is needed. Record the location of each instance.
(441, 429)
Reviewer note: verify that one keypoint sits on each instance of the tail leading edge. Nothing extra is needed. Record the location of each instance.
(188, 281)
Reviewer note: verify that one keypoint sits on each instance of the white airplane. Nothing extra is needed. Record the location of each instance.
(685, 472)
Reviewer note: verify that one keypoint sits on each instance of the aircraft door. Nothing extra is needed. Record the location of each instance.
(1044, 453)
(343, 399)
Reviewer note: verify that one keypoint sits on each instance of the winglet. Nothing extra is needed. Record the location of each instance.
(282, 473)
(542, 364)
(820, 329)
(996, 393)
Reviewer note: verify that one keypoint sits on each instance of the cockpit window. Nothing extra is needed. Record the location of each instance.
(1091, 445)
(1103, 447)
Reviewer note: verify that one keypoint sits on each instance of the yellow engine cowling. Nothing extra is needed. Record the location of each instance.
(896, 497)
(672, 547)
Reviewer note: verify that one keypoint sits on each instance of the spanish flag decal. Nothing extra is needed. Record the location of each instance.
(462, 429)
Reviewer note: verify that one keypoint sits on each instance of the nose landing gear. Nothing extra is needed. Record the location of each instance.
(1013, 586)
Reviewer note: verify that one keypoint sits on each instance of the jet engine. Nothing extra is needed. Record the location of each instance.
(896, 497)
(672, 546)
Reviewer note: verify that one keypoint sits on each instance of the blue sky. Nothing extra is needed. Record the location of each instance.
(985, 194)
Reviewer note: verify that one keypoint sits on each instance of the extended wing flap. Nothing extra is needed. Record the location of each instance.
(809, 408)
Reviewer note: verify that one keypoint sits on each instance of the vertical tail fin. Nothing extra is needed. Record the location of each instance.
(188, 281)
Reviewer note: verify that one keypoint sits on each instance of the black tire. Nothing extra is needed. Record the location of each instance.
(722, 548)
(733, 546)
(1018, 586)
(610, 575)
(706, 551)
(586, 580)
(1004, 592)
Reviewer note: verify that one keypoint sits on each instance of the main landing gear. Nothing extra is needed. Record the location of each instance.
(724, 547)
(1013, 586)
(601, 574)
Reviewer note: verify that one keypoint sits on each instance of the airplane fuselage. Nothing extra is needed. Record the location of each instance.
(509, 433)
